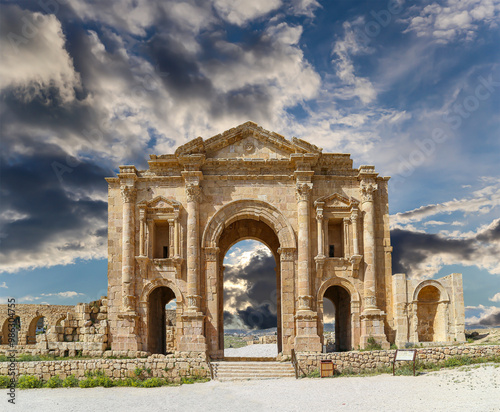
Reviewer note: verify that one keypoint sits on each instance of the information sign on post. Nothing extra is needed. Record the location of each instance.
(409, 355)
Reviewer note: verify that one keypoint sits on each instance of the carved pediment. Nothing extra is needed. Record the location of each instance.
(336, 201)
(162, 203)
(246, 141)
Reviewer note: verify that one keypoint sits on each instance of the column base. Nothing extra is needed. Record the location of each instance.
(372, 328)
(192, 339)
(127, 338)
(307, 338)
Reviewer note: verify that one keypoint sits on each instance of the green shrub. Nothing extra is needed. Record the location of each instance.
(458, 361)
(152, 383)
(29, 382)
(70, 382)
(88, 383)
(105, 381)
(128, 382)
(54, 382)
(4, 381)
(372, 344)
(314, 374)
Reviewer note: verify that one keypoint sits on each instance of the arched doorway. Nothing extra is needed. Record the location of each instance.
(257, 220)
(158, 300)
(7, 328)
(427, 314)
(37, 325)
(255, 230)
(250, 307)
(341, 300)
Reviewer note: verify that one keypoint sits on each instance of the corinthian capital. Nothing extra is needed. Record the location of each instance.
(367, 189)
(303, 191)
(193, 192)
(128, 194)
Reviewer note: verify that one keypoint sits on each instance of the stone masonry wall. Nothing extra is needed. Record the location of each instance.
(358, 361)
(172, 367)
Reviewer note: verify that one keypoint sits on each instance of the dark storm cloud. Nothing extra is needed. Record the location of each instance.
(259, 317)
(411, 248)
(54, 201)
(260, 275)
(491, 320)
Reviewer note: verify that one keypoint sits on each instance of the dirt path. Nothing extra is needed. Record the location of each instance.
(464, 389)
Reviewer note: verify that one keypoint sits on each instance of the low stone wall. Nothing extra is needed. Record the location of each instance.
(358, 361)
(172, 367)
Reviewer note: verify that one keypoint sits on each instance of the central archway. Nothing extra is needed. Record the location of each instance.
(240, 220)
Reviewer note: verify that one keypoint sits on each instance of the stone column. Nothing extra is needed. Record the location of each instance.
(303, 203)
(193, 194)
(370, 299)
(372, 318)
(355, 242)
(193, 339)
(128, 246)
(142, 224)
(321, 235)
(307, 338)
(176, 238)
(346, 237)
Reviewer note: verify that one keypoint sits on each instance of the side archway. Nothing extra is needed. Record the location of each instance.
(345, 298)
(430, 308)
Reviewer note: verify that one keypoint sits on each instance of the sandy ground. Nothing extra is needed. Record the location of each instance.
(464, 389)
(253, 351)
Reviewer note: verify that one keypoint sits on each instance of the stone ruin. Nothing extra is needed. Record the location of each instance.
(325, 222)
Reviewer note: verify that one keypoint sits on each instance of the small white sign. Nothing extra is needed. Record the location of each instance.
(405, 355)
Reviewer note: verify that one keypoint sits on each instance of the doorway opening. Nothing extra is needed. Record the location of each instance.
(250, 300)
(162, 333)
(337, 301)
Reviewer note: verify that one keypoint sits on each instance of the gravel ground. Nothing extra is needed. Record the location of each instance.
(253, 351)
(465, 389)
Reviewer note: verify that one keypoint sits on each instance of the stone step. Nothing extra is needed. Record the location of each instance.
(240, 370)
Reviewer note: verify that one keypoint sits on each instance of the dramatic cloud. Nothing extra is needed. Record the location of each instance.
(250, 290)
(57, 212)
(34, 60)
(421, 255)
(259, 317)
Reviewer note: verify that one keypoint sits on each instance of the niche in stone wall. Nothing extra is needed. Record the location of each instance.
(161, 244)
(428, 311)
(335, 238)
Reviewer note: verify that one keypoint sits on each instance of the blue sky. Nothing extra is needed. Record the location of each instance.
(410, 87)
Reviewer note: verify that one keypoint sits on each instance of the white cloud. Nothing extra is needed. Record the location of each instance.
(486, 315)
(455, 19)
(240, 12)
(353, 86)
(62, 295)
(35, 59)
(495, 298)
(3, 285)
(479, 201)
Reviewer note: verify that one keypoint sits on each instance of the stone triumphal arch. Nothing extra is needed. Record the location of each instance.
(325, 222)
